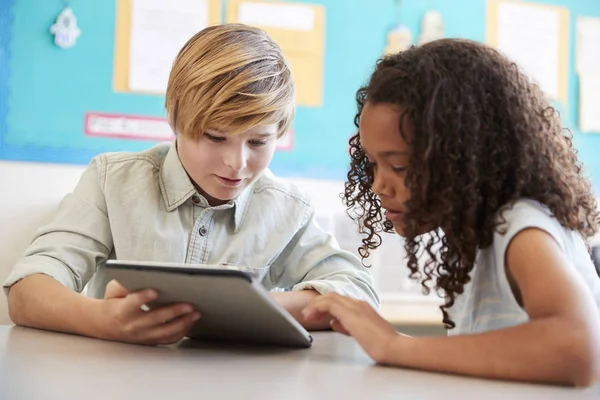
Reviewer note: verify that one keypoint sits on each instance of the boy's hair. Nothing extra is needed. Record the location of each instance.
(483, 137)
(229, 77)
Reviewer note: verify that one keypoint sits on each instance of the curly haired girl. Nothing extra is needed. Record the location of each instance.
(460, 153)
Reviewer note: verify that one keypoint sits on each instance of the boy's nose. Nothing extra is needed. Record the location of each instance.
(236, 159)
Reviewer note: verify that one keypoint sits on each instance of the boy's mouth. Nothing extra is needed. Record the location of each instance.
(229, 181)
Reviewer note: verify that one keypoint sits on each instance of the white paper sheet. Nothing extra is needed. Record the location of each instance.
(128, 127)
(589, 103)
(587, 55)
(530, 37)
(159, 28)
(283, 16)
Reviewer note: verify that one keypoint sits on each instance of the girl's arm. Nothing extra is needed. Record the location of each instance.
(560, 344)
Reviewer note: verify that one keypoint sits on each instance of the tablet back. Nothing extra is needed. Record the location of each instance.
(233, 306)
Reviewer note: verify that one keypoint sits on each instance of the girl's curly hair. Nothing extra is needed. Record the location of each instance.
(483, 136)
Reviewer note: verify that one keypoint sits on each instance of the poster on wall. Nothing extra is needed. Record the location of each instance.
(299, 29)
(127, 127)
(158, 31)
(587, 48)
(587, 66)
(589, 103)
(135, 127)
(148, 36)
(536, 37)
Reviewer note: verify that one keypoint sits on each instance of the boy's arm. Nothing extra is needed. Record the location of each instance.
(43, 287)
(560, 344)
(313, 264)
(68, 311)
(116, 317)
(61, 259)
(296, 301)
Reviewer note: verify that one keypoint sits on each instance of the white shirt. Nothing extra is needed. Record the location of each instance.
(488, 302)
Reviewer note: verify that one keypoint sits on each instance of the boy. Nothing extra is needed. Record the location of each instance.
(206, 198)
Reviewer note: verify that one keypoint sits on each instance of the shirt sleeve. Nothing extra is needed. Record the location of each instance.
(78, 238)
(525, 215)
(314, 260)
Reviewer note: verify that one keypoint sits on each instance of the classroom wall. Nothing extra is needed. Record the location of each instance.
(50, 90)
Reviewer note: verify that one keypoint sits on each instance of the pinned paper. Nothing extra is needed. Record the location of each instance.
(299, 29)
(535, 36)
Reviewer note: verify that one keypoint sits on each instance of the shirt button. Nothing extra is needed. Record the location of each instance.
(202, 231)
(195, 199)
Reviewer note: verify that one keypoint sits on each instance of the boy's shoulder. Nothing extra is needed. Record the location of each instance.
(123, 167)
(153, 156)
(269, 184)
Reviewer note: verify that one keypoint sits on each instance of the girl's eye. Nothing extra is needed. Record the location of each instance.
(258, 143)
(370, 166)
(216, 139)
(398, 169)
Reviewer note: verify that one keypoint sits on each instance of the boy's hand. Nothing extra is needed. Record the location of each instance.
(354, 318)
(122, 318)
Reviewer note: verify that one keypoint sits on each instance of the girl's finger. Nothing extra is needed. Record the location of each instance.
(337, 326)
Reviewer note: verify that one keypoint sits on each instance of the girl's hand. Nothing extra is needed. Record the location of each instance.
(357, 319)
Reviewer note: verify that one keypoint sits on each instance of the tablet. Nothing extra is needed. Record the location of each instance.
(233, 305)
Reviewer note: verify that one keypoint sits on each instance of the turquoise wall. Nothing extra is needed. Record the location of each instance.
(45, 91)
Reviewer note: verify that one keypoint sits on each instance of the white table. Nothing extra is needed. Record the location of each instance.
(50, 366)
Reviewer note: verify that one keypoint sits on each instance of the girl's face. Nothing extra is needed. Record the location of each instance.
(388, 153)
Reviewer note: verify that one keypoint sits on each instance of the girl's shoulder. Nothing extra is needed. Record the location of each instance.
(524, 208)
(527, 213)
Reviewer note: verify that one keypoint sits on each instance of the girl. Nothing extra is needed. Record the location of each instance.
(454, 140)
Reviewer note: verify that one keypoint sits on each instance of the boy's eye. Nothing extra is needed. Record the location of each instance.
(216, 139)
(258, 143)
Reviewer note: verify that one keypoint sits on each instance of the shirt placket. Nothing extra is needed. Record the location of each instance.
(199, 245)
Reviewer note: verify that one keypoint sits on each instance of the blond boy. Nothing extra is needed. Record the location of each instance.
(205, 198)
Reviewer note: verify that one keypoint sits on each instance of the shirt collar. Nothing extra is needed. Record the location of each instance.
(176, 188)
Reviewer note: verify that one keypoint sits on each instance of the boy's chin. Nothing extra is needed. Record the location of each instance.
(226, 195)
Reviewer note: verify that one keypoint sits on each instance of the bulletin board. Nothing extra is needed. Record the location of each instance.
(299, 29)
(537, 37)
(46, 92)
(62, 105)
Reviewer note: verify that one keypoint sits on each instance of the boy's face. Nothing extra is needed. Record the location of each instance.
(222, 165)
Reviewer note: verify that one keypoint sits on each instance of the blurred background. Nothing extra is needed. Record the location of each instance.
(78, 78)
